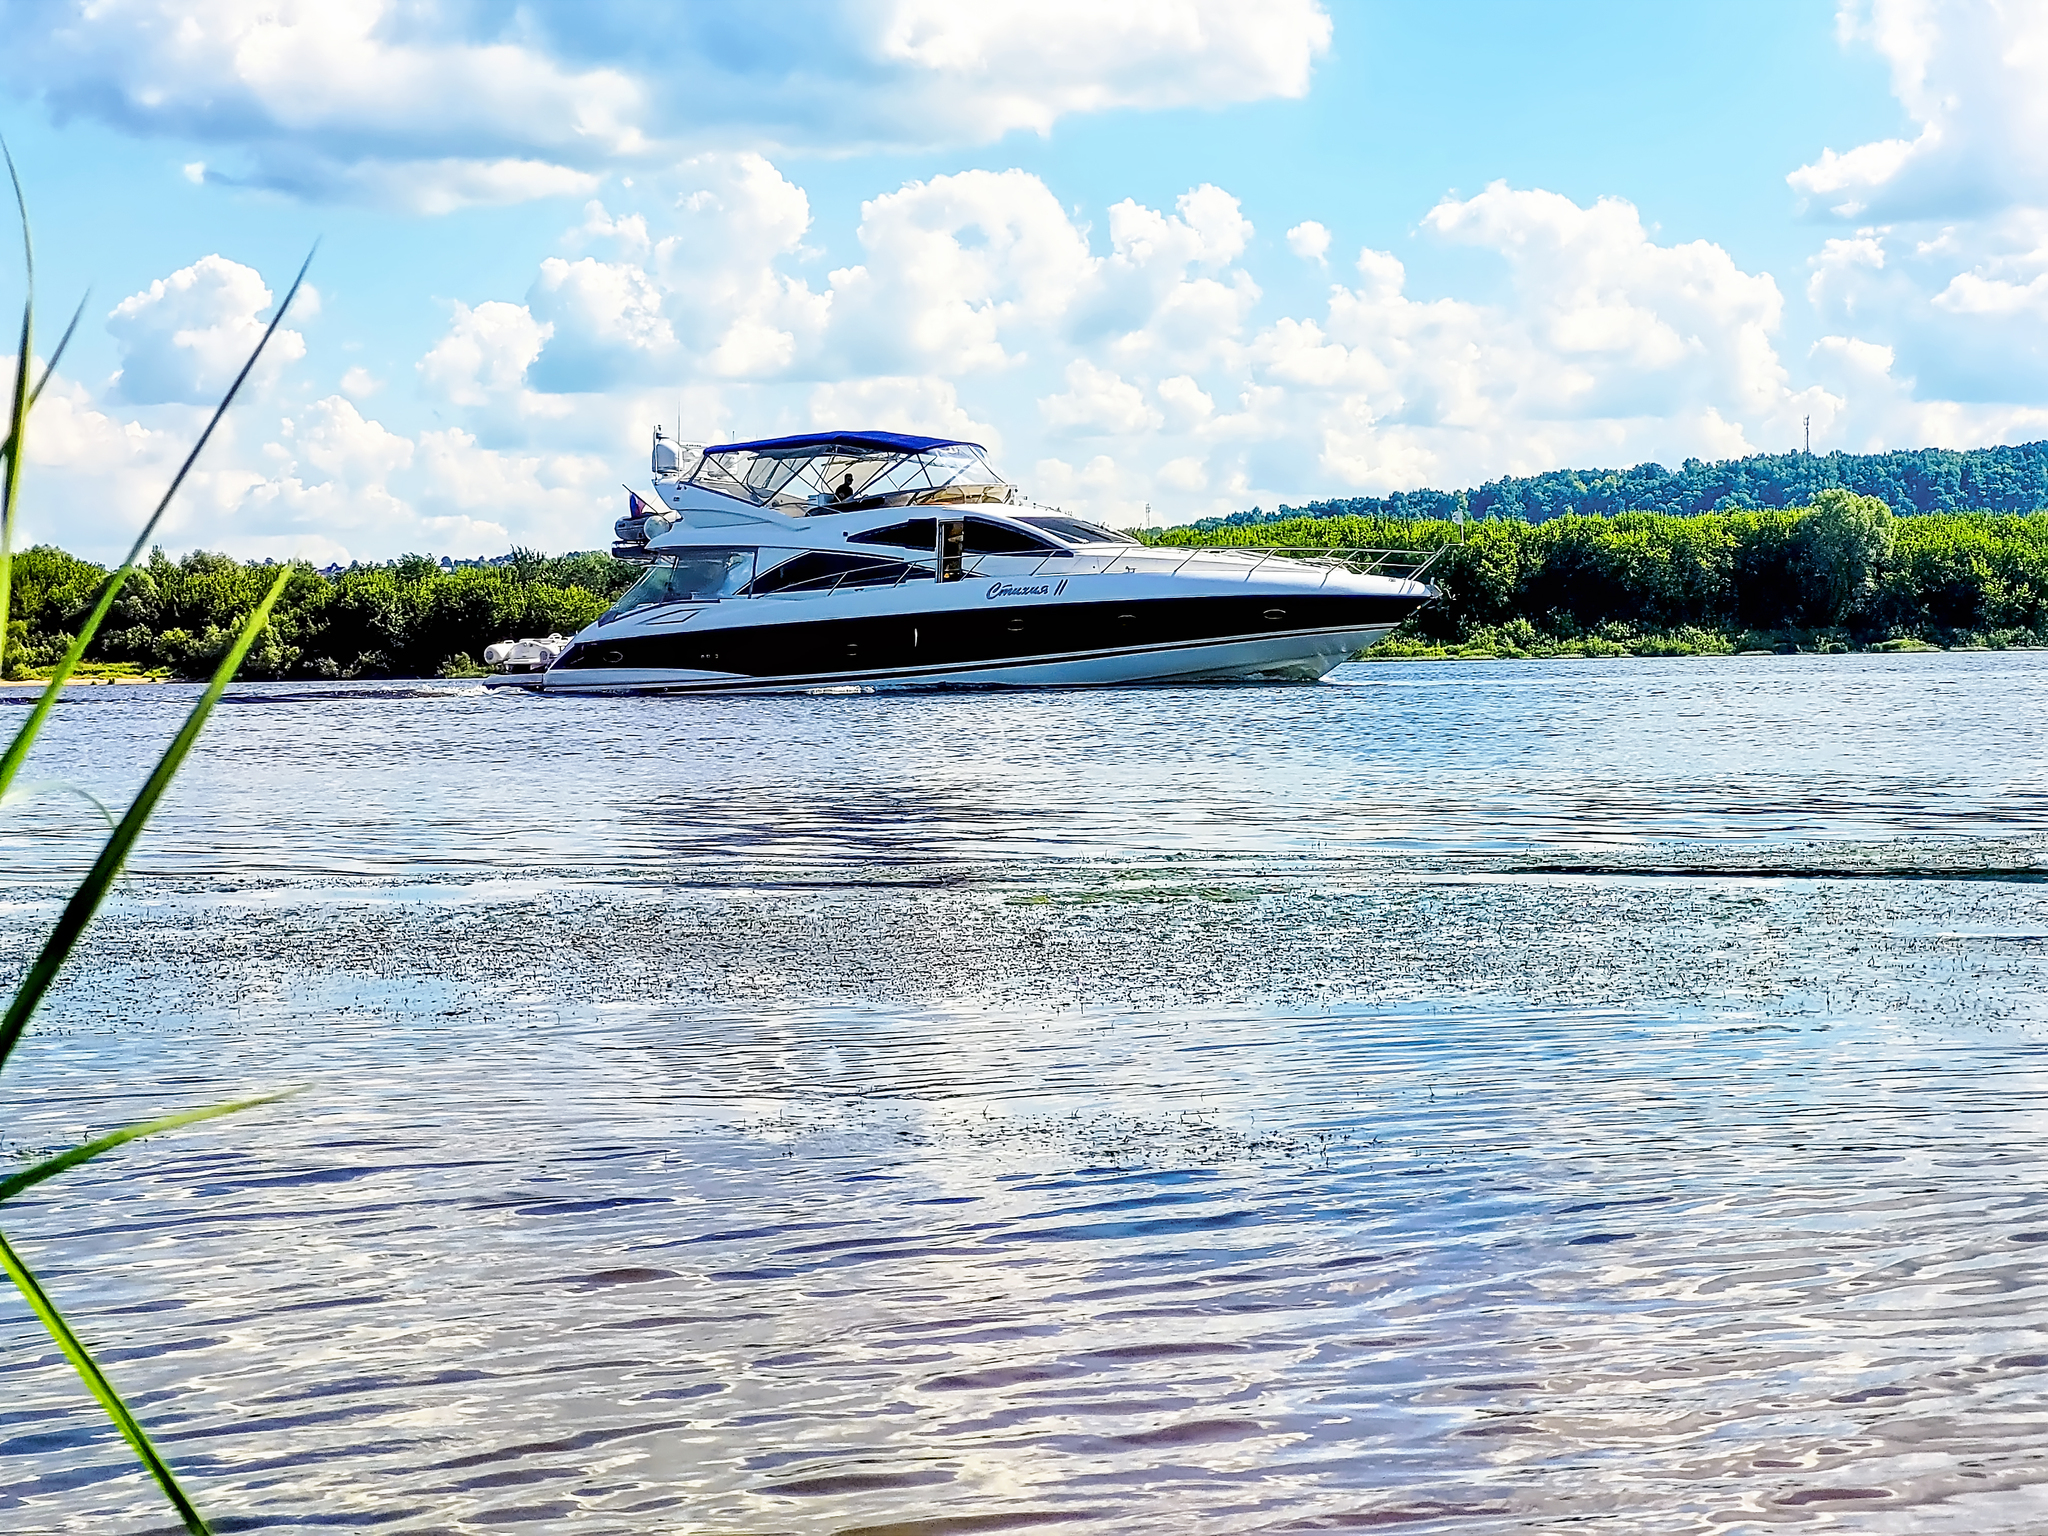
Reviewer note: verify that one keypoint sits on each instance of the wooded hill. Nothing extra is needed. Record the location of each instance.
(1911, 480)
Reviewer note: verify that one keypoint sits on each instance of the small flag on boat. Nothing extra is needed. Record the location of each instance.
(635, 507)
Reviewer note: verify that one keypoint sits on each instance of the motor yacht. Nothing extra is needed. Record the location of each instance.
(886, 560)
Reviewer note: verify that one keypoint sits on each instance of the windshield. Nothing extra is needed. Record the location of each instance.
(1074, 531)
(690, 575)
(811, 480)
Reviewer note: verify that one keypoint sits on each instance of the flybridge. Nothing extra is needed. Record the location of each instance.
(818, 473)
(853, 442)
(806, 475)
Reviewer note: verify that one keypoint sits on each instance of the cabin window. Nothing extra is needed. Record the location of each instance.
(983, 537)
(825, 571)
(688, 576)
(987, 538)
(913, 533)
(1075, 531)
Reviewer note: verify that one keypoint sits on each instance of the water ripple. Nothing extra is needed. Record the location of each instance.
(1471, 1099)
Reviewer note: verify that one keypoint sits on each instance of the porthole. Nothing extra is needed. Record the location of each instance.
(1276, 615)
(613, 658)
(1017, 625)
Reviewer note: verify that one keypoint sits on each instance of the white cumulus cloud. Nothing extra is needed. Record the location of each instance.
(1025, 63)
(1970, 73)
(184, 337)
(1310, 241)
(435, 106)
(1946, 264)
(924, 405)
(604, 322)
(1610, 347)
(1097, 402)
(485, 353)
(735, 217)
(951, 264)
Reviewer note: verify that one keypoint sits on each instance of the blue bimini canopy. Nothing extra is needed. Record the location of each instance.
(857, 442)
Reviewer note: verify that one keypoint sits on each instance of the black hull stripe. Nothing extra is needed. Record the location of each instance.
(737, 682)
(1000, 634)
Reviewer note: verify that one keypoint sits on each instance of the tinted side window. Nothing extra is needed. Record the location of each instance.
(1085, 533)
(823, 572)
(984, 538)
(914, 533)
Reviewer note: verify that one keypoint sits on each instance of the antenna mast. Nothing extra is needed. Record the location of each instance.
(1809, 436)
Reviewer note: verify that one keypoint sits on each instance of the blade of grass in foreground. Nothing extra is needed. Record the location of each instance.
(85, 1152)
(49, 371)
(33, 787)
(103, 1389)
(85, 901)
(10, 485)
(70, 925)
(17, 749)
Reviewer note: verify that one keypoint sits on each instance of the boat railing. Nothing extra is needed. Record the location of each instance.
(1396, 564)
(1246, 561)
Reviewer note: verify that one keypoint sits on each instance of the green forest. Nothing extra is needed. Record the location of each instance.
(1843, 573)
(410, 617)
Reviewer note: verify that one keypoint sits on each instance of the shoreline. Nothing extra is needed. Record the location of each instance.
(76, 681)
(1375, 656)
(1619, 654)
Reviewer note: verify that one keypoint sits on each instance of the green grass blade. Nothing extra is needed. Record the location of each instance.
(17, 749)
(10, 477)
(50, 1167)
(107, 867)
(49, 369)
(101, 1388)
(34, 787)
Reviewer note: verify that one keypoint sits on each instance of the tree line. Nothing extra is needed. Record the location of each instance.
(1843, 572)
(410, 617)
(1839, 573)
(2003, 479)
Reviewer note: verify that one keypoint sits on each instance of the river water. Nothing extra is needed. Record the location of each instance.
(1602, 1096)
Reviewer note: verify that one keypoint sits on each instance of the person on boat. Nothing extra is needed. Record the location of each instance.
(845, 491)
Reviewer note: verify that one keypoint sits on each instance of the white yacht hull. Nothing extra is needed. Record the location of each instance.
(1281, 658)
(1029, 629)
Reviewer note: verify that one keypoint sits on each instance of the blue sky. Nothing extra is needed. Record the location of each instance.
(1196, 254)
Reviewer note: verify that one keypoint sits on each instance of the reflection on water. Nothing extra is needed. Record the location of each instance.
(1192, 1110)
(1394, 760)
